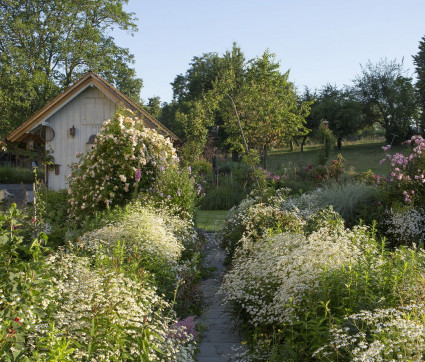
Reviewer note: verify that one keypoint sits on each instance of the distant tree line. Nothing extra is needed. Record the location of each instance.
(223, 102)
(217, 88)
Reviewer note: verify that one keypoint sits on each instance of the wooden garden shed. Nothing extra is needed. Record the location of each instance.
(69, 123)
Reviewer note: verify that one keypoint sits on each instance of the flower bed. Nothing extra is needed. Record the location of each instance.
(301, 292)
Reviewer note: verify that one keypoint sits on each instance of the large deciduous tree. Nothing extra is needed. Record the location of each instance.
(226, 93)
(45, 45)
(419, 61)
(388, 97)
(268, 106)
(341, 109)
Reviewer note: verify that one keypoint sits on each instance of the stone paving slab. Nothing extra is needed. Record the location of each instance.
(220, 339)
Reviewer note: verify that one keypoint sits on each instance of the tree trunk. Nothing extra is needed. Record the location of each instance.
(265, 157)
(235, 156)
(339, 143)
(291, 145)
(303, 143)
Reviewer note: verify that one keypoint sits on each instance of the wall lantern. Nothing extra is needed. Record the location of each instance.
(72, 131)
(57, 169)
(325, 124)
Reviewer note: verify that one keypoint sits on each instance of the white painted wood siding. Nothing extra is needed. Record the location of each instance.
(86, 112)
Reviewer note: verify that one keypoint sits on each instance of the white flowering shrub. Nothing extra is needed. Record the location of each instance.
(255, 217)
(126, 158)
(292, 288)
(271, 275)
(393, 334)
(97, 302)
(99, 310)
(155, 239)
(405, 226)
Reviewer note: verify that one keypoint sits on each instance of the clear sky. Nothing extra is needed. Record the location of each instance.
(320, 41)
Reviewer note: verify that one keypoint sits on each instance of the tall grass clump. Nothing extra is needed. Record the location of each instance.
(346, 198)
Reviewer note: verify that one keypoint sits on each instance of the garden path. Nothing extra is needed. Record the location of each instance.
(220, 338)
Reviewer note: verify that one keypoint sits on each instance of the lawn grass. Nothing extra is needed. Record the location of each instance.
(210, 220)
(359, 157)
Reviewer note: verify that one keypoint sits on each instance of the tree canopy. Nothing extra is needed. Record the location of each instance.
(340, 108)
(227, 93)
(45, 45)
(388, 97)
(419, 61)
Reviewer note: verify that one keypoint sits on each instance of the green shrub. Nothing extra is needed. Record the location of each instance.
(176, 188)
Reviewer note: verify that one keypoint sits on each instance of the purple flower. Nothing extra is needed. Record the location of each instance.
(168, 197)
(179, 192)
(138, 175)
(185, 327)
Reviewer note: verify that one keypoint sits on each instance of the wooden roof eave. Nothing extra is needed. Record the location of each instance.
(19, 135)
(20, 132)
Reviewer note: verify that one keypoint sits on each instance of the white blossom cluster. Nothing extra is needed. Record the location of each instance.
(141, 229)
(81, 295)
(406, 226)
(100, 311)
(305, 205)
(394, 334)
(269, 276)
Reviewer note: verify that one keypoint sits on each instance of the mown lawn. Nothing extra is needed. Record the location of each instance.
(359, 156)
(210, 220)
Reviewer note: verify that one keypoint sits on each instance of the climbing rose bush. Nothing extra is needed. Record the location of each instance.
(126, 158)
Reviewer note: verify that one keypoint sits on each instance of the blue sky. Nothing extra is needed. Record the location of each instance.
(320, 41)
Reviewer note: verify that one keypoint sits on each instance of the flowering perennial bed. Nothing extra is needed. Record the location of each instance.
(307, 288)
(98, 299)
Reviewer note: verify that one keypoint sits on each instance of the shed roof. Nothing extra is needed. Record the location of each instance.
(20, 134)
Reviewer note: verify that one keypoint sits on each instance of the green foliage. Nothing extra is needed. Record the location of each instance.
(224, 94)
(388, 97)
(340, 108)
(327, 172)
(266, 120)
(16, 175)
(419, 61)
(47, 45)
(222, 197)
(175, 187)
(328, 144)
